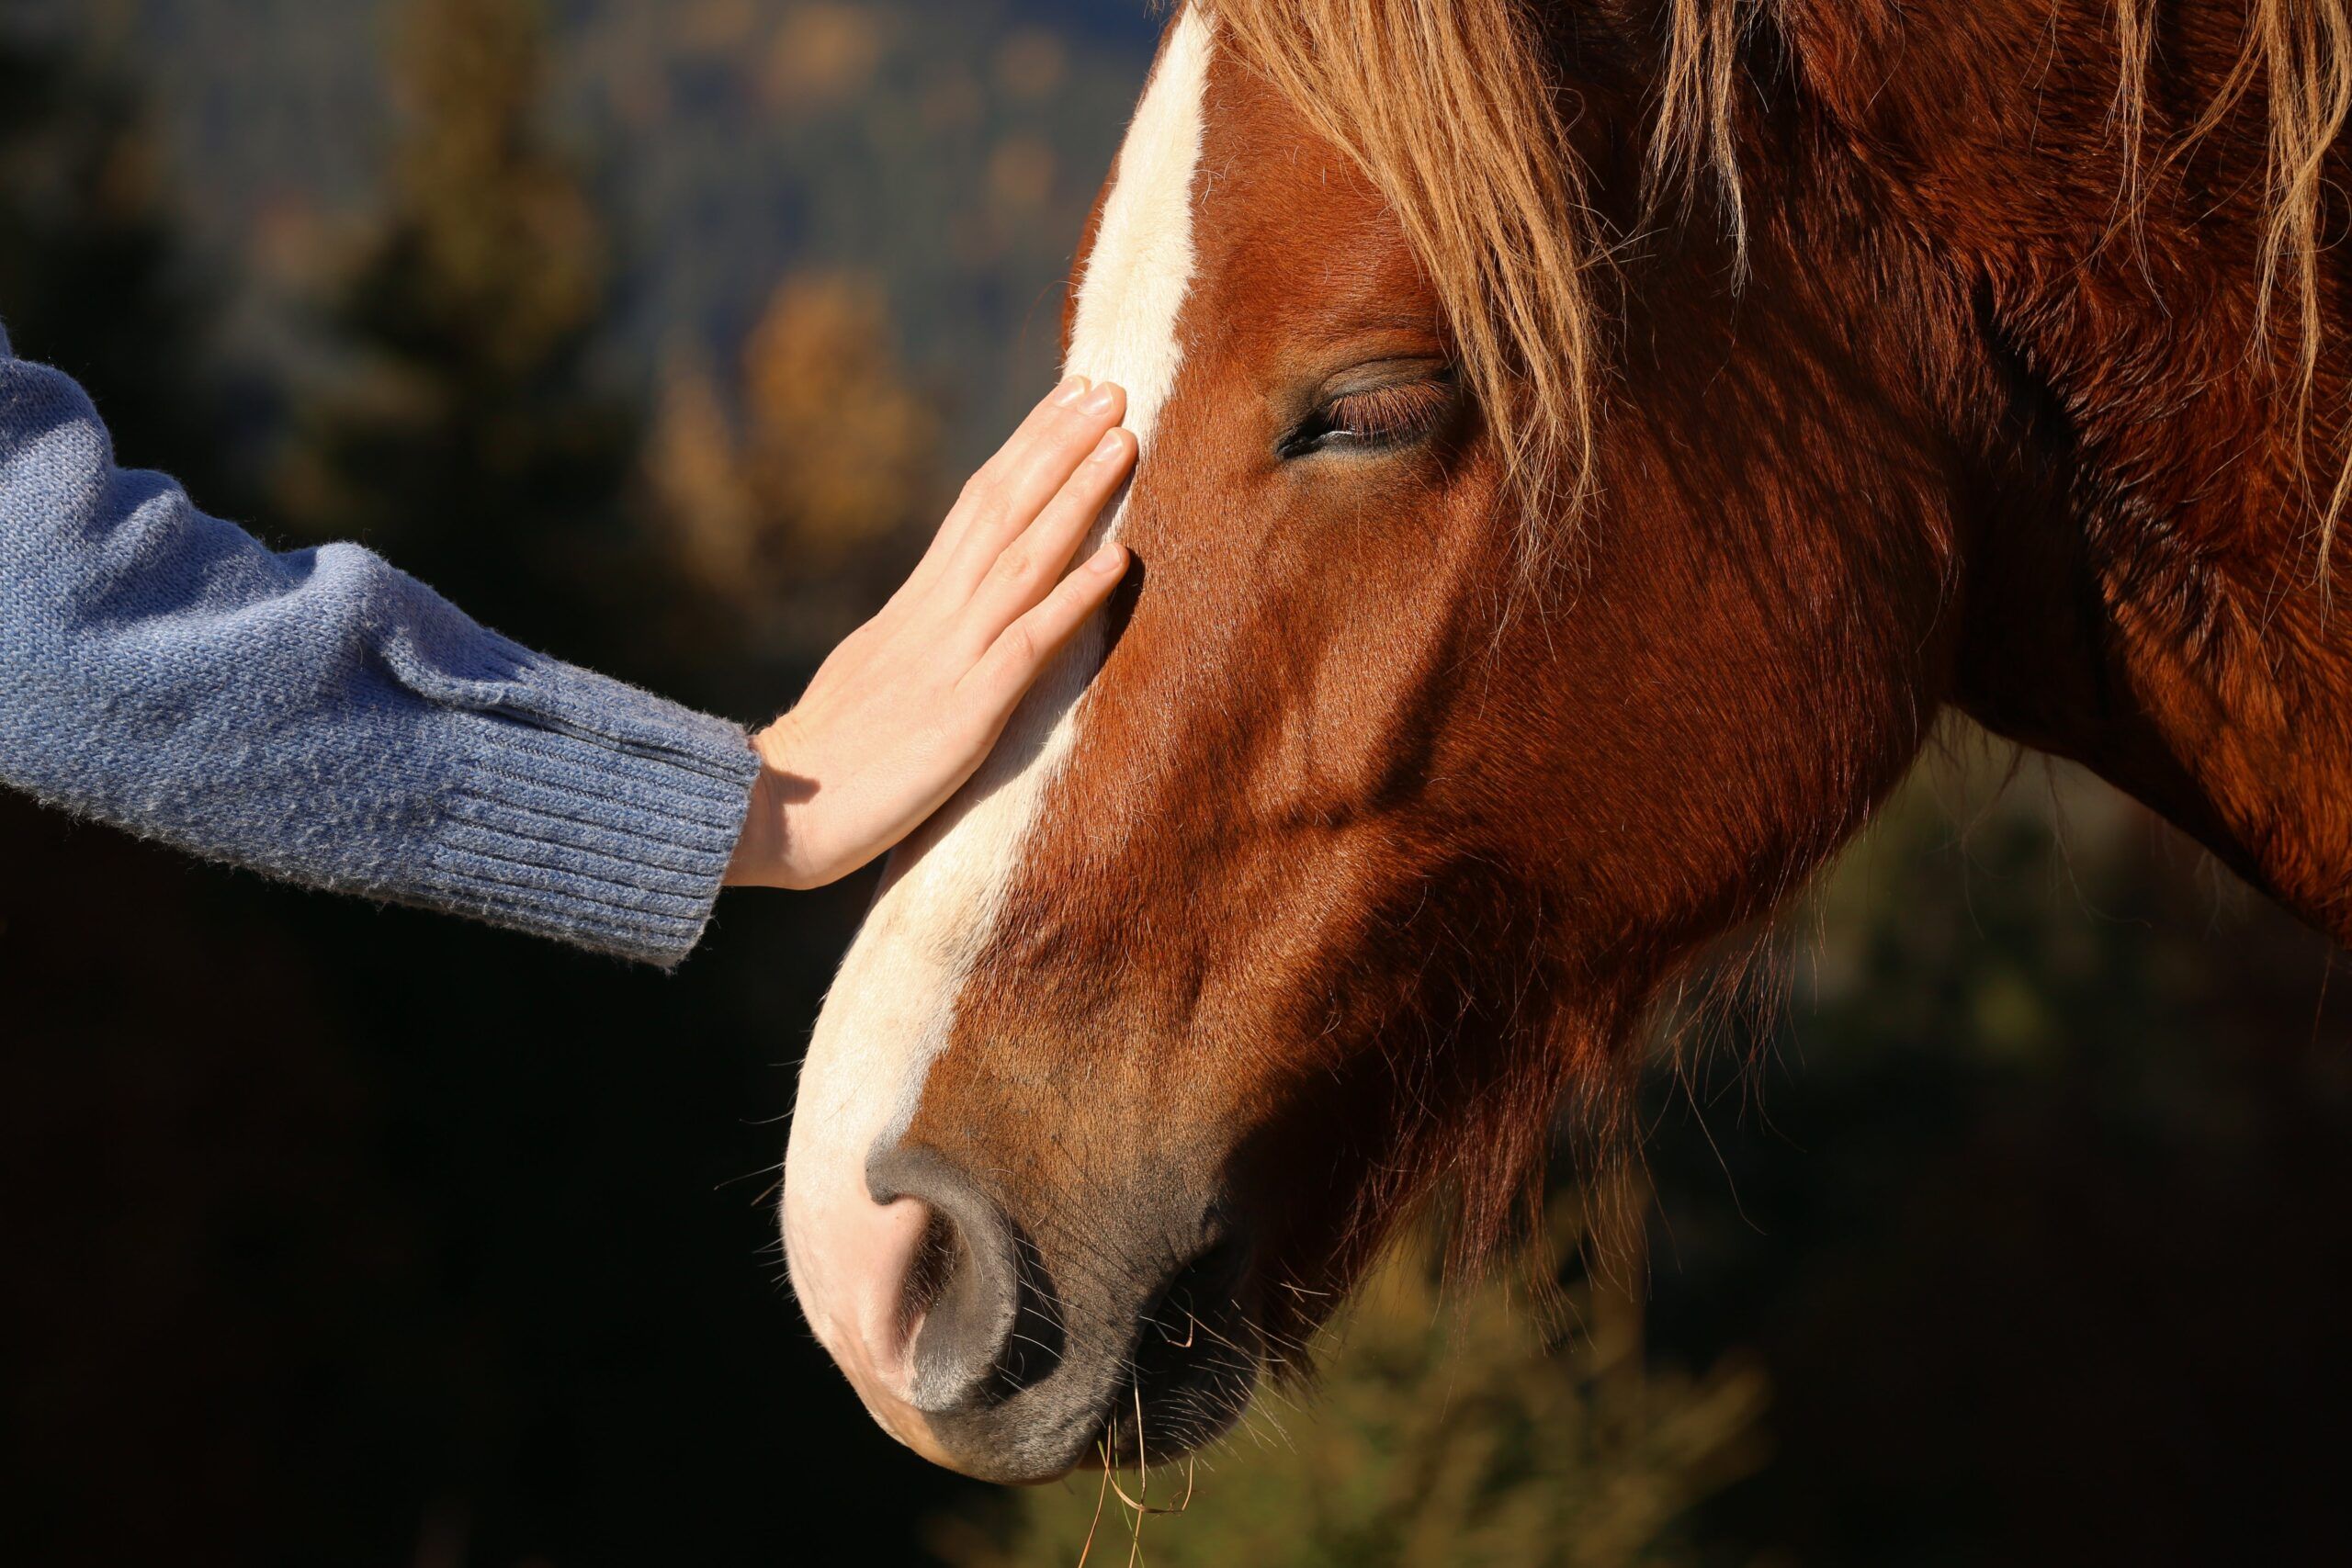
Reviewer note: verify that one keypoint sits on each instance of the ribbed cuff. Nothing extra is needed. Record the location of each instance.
(584, 809)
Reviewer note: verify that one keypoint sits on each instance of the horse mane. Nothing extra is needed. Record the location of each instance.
(1451, 108)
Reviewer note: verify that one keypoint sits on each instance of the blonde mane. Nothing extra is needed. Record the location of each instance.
(1450, 108)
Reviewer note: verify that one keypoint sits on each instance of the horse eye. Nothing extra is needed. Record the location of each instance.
(1375, 419)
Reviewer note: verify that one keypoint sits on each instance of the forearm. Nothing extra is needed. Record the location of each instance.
(323, 718)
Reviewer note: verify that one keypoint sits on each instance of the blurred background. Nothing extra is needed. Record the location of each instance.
(657, 332)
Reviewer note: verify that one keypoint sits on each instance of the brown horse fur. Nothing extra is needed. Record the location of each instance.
(1360, 863)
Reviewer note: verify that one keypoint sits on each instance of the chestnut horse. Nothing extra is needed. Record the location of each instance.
(1585, 445)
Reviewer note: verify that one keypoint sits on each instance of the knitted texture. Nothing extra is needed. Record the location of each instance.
(322, 717)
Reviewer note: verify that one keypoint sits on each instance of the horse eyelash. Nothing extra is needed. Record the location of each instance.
(1374, 419)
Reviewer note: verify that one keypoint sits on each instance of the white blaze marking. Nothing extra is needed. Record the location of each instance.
(893, 1003)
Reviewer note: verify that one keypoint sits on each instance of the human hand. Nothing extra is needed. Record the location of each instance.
(904, 710)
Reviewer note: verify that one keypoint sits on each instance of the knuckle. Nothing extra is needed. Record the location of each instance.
(980, 491)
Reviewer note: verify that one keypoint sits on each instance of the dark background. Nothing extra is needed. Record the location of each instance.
(344, 1235)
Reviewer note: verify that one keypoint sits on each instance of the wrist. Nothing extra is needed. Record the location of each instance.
(764, 856)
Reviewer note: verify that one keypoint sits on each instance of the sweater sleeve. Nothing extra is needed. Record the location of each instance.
(322, 717)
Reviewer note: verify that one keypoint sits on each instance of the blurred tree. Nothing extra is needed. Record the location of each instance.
(829, 475)
(1440, 1434)
(468, 439)
(92, 273)
(836, 441)
(693, 468)
(824, 53)
(2034, 1205)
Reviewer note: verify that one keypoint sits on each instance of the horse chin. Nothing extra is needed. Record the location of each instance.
(1192, 1374)
(1137, 1434)
(1176, 1425)
(1135, 1429)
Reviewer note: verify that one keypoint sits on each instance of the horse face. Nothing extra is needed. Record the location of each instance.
(1149, 1036)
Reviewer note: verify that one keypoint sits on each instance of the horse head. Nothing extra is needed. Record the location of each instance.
(1445, 724)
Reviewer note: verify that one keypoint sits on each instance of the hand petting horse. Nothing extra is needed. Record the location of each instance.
(1585, 446)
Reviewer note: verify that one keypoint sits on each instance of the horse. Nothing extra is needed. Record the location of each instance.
(1586, 447)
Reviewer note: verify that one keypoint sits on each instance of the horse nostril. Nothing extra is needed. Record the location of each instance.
(974, 1301)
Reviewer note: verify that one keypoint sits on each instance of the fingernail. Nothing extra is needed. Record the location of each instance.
(1110, 446)
(1102, 400)
(1070, 391)
(1107, 559)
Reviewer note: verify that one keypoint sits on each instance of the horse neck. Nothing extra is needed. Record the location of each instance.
(2144, 587)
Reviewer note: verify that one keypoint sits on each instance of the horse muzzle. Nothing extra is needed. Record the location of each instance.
(1016, 1346)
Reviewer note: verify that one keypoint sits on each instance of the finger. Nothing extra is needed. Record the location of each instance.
(1017, 656)
(952, 529)
(1005, 497)
(1026, 568)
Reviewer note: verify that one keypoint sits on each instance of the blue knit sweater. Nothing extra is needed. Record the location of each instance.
(321, 717)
